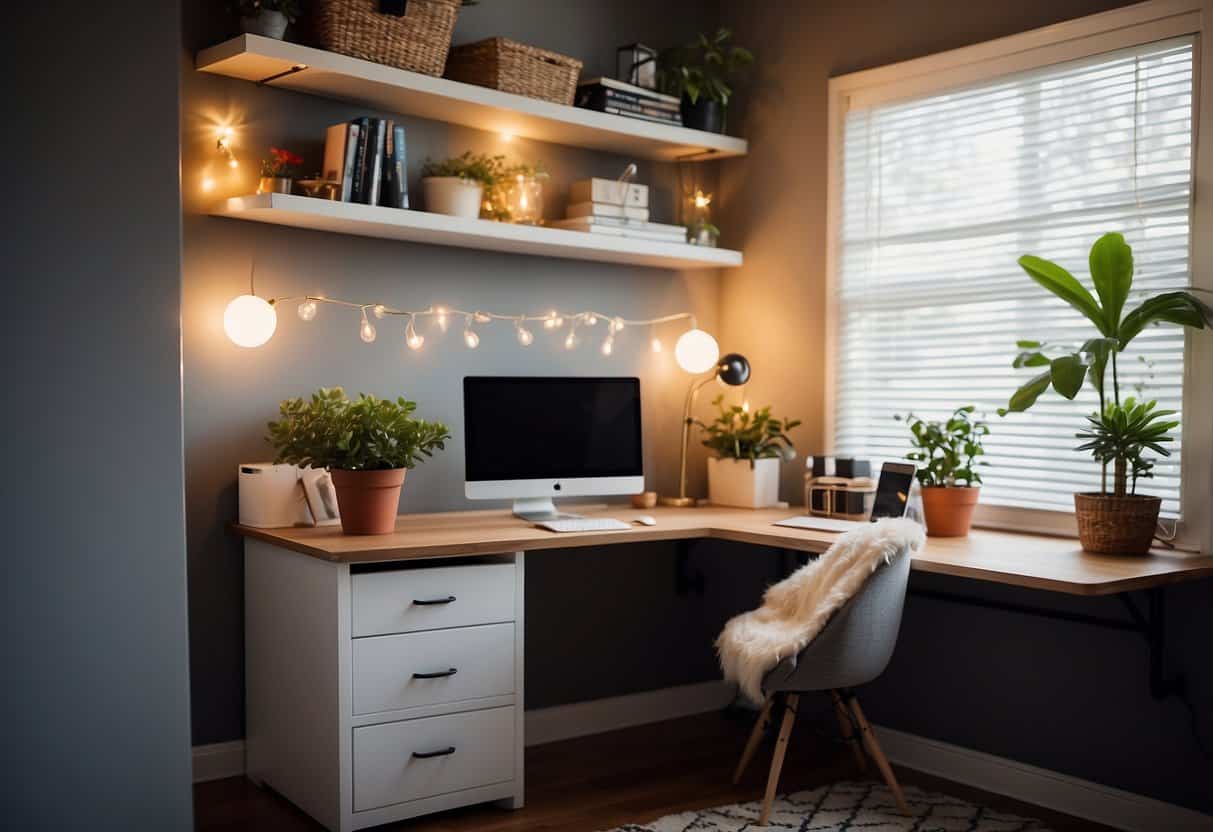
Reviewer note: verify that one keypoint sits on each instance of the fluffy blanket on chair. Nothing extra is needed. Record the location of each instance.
(796, 609)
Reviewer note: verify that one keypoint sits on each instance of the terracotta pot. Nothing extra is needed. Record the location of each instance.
(368, 500)
(1112, 525)
(949, 509)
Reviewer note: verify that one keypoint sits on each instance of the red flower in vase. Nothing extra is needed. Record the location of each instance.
(283, 163)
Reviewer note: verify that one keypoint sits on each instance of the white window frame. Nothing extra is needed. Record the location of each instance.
(1105, 32)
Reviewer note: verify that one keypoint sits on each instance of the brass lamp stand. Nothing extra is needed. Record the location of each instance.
(732, 369)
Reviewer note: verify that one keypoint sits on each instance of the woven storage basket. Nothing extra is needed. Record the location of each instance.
(417, 41)
(509, 66)
(1116, 525)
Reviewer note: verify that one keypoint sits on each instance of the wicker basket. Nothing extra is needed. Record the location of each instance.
(509, 66)
(417, 41)
(1116, 525)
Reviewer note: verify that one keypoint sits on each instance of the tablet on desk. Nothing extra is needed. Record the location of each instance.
(892, 499)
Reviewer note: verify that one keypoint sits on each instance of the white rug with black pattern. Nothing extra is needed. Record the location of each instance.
(856, 806)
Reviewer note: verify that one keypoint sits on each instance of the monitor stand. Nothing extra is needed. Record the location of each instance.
(539, 510)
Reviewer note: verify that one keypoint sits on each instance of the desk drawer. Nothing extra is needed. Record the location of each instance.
(384, 667)
(408, 600)
(387, 770)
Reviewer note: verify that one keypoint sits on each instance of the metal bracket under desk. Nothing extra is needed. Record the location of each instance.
(1150, 624)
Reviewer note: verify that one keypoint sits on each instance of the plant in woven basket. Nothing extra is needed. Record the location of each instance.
(1119, 433)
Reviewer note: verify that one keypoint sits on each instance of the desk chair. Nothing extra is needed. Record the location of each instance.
(852, 649)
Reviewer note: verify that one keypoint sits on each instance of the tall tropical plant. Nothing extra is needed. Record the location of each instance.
(1065, 370)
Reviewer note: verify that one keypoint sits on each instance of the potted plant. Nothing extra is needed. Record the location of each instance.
(278, 172)
(457, 186)
(946, 453)
(268, 18)
(1117, 521)
(749, 447)
(366, 444)
(699, 74)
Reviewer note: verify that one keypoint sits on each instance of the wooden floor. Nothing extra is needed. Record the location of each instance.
(630, 776)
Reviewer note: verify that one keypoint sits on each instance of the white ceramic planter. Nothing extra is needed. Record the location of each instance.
(732, 482)
(452, 196)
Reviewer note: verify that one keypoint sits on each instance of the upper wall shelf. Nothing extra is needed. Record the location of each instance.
(304, 69)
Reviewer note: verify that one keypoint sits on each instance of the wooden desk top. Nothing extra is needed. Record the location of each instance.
(1035, 561)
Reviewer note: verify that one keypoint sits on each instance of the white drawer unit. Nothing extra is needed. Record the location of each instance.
(399, 762)
(409, 600)
(433, 667)
(360, 680)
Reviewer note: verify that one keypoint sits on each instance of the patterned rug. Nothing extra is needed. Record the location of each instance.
(853, 806)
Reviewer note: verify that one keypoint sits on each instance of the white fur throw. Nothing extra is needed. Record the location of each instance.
(796, 609)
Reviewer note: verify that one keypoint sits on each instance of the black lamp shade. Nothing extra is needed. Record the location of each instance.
(733, 369)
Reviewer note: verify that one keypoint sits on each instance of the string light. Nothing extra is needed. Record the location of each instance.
(411, 337)
(251, 320)
(367, 330)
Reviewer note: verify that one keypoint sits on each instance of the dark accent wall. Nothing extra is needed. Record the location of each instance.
(230, 393)
(1062, 696)
(95, 690)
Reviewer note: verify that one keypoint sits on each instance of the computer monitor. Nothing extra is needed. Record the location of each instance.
(534, 438)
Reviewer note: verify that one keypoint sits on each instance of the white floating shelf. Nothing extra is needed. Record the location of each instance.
(439, 229)
(304, 69)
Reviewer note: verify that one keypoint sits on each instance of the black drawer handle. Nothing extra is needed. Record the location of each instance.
(425, 755)
(434, 601)
(437, 675)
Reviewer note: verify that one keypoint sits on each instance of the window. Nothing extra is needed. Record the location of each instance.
(940, 185)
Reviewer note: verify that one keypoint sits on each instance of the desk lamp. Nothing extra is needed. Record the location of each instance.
(697, 353)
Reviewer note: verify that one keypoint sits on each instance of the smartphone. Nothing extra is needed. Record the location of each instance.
(893, 490)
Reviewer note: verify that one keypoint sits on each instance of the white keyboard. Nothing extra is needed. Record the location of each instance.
(584, 524)
(821, 524)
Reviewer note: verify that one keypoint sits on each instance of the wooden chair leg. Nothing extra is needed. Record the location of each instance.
(848, 730)
(882, 763)
(753, 742)
(781, 748)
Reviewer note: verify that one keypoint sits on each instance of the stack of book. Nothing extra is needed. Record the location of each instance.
(367, 157)
(606, 95)
(603, 206)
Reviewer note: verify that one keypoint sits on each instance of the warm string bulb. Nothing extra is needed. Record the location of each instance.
(553, 320)
(745, 406)
(570, 340)
(525, 336)
(616, 325)
(590, 319)
(469, 335)
(608, 345)
(482, 317)
(380, 310)
(411, 336)
(367, 330)
(440, 318)
(307, 310)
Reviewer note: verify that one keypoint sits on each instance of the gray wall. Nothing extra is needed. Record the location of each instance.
(95, 689)
(230, 393)
(1063, 696)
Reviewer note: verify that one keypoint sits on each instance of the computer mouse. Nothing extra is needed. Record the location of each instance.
(645, 520)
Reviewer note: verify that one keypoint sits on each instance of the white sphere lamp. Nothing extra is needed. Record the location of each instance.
(249, 321)
(696, 351)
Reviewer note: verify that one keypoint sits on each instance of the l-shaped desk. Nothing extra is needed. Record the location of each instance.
(384, 674)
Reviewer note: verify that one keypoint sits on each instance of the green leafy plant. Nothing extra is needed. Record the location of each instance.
(473, 167)
(1122, 433)
(736, 433)
(703, 68)
(364, 434)
(946, 452)
(1066, 369)
(290, 9)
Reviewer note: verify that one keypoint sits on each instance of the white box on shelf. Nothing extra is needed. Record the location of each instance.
(609, 191)
(270, 496)
(604, 209)
(733, 482)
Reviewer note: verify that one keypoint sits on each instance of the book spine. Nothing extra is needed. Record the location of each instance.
(360, 177)
(640, 108)
(640, 101)
(334, 152)
(351, 155)
(615, 111)
(400, 184)
(375, 162)
(389, 186)
(596, 98)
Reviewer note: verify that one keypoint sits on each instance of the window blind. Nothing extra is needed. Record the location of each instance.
(943, 193)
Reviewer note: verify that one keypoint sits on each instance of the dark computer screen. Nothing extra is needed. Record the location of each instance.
(519, 428)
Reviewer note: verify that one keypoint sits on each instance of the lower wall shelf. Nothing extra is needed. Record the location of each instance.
(439, 229)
